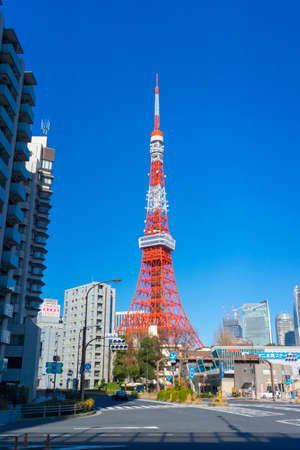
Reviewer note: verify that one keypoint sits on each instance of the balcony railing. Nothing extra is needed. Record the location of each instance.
(12, 236)
(6, 120)
(26, 113)
(5, 146)
(6, 309)
(17, 192)
(10, 260)
(24, 132)
(4, 336)
(28, 95)
(21, 152)
(19, 171)
(7, 283)
(7, 76)
(7, 99)
(14, 214)
(33, 305)
(8, 54)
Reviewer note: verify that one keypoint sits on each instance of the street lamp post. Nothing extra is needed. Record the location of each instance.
(83, 347)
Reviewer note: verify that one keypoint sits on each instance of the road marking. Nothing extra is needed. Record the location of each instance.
(247, 412)
(295, 422)
(88, 446)
(277, 407)
(125, 428)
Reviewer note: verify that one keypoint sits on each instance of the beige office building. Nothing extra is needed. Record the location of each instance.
(101, 320)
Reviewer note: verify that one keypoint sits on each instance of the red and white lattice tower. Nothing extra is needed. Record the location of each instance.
(156, 304)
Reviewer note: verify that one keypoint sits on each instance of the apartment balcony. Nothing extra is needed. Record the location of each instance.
(19, 172)
(26, 113)
(39, 256)
(37, 277)
(2, 195)
(8, 55)
(6, 310)
(5, 120)
(4, 336)
(5, 146)
(14, 214)
(4, 171)
(3, 364)
(24, 132)
(8, 77)
(21, 152)
(7, 283)
(9, 260)
(28, 95)
(34, 305)
(12, 236)
(17, 193)
(7, 99)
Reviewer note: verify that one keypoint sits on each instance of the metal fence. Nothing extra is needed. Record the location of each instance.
(51, 410)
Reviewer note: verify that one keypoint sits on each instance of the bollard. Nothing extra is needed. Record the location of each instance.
(25, 441)
(47, 442)
(16, 443)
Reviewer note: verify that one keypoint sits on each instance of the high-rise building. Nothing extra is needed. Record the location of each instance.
(101, 321)
(256, 323)
(119, 317)
(20, 239)
(285, 329)
(297, 313)
(51, 326)
(234, 326)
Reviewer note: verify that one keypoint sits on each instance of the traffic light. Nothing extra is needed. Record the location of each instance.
(118, 344)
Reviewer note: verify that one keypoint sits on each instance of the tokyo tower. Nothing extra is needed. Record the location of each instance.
(156, 305)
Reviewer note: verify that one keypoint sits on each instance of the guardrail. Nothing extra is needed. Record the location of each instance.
(51, 410)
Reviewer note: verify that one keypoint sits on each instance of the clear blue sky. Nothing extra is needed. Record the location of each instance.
(229, 90)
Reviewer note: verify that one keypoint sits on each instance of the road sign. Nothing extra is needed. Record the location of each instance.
(54, 367)
(173, 356)
(68, 380)
(111, 335)
(74, 382)
(169, 377)
(88, 366)
(191, 372)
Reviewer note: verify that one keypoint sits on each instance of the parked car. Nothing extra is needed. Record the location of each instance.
(119, 395)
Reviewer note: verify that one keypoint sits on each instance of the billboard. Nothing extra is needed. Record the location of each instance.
(50, 308)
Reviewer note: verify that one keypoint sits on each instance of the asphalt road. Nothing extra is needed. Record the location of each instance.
(139, 424)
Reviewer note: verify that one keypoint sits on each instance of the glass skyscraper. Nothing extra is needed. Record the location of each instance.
(256, 323)
(234, 326)
(297, 313)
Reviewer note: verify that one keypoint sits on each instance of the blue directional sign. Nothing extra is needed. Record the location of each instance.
(54, 367)
(173, 356)
(276, 355)
(191, 372)
(88, 366)
(74, 382)
(169, 377)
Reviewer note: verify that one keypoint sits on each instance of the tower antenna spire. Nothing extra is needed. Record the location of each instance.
(156, 110)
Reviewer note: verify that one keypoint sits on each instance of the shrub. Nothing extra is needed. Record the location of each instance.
(112, 387)
(89, 404)
(164, 395)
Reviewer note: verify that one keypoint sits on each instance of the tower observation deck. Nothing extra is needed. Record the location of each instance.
(156, 301)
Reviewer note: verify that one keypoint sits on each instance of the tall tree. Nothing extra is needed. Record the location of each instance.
(148, 354)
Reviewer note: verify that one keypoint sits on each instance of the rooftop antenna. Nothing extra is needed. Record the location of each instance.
(45, 126)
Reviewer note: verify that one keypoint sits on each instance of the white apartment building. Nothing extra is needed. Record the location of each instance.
(297, 314)
(51, 326)
(101, 320)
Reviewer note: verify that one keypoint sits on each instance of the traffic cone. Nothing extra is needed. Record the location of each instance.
(47, 442)
(16, 443)
(25, 441)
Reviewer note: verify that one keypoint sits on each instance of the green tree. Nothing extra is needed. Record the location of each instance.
(148, 354)
(120, 372)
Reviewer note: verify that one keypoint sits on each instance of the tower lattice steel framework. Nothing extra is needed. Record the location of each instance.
(156, 302)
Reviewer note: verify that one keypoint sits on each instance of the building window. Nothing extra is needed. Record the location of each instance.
(14, 363)
(17, 339)
(46, 164)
